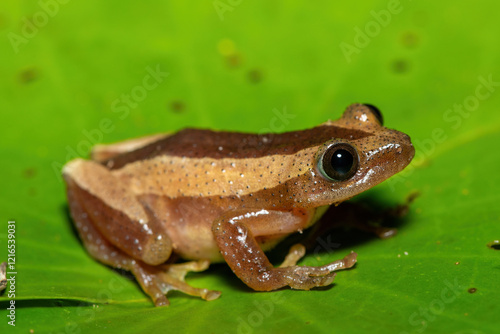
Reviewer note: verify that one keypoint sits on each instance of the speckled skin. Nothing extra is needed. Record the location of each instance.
(220, 196)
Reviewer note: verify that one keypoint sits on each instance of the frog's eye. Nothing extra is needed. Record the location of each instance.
(339, 162)
(376, 112)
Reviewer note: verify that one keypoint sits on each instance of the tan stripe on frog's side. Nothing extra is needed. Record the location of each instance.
(192, 177)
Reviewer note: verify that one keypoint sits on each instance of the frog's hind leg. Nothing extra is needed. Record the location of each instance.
(171, 277)
(156, 281)
(114, 210)
(105, 252)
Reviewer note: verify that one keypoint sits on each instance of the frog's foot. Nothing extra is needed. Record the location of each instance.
(380, 231)
(398, 211)
(159, 280)
(305, 278)
(358, 216)
(295, 253)
(402, 209)
(175, 274)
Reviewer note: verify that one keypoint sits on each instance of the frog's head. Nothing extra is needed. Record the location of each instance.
(366, 154)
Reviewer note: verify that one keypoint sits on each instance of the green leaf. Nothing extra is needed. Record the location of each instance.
(66, 71)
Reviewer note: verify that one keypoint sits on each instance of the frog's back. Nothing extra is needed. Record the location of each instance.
(197, 143)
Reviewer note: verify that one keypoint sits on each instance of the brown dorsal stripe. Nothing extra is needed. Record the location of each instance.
(195, 143)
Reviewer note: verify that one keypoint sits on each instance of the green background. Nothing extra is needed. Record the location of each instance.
(65, 68)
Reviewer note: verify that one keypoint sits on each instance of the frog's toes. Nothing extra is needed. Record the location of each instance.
(295, 253)
(173, 279)
(209, 294)
(306, 278)
(386, 232)
(158, 281)
(347, 262)
(168, 285)
(179, 270)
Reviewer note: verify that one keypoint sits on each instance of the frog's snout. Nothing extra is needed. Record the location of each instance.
(397, 151)
(407, 148)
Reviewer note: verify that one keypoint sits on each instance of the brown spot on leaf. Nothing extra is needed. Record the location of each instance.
(29, 173)
(28, 75)
(234, 60)
(177, 106)
(410, 39)
(400, 66)
(255, 76)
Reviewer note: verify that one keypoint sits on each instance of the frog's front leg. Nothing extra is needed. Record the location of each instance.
(236, 233)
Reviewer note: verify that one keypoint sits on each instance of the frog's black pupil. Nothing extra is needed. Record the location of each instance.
(339, 162)
(342, 161)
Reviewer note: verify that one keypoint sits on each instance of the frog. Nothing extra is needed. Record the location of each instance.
(168, 204)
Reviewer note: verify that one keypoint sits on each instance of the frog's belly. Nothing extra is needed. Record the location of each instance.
(188, 223)
(194, 240)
